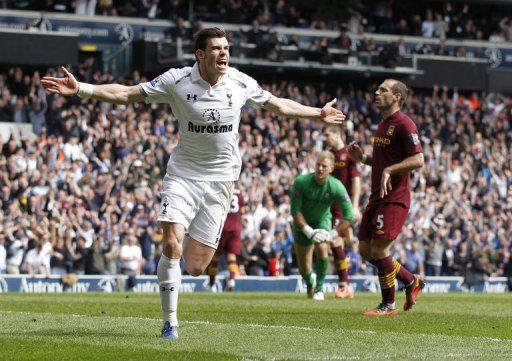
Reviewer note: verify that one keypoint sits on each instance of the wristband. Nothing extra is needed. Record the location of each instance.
(308, 231)
(364, 158)
(85, 90)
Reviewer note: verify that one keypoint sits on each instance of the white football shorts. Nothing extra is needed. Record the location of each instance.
(199, 206)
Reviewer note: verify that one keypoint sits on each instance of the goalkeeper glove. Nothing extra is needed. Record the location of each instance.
(316, 235)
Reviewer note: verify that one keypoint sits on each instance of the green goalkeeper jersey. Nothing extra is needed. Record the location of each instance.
(314, 201)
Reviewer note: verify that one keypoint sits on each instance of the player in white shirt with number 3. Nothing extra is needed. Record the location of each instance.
(207, 100)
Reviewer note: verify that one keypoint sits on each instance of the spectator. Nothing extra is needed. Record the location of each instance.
(15, 250)
(440, 26)
(414, 260)
(427, 26)
(434, 260)
(282, 248)
(180, 30)
(506, 26)
(59, 258)
(357, 264)
(78, 255)
(37, 260)
(3, 255)
(130, 256)
(257, 37)
(259, 261)
(508, 271)
(85, 7)
(37, 114)
(95, 260)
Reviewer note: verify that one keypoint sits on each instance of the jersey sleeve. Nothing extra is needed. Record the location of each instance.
(411, 138)
(343, 200)
(256, 96)
(159, 90)
(355, 169)
(296, 197)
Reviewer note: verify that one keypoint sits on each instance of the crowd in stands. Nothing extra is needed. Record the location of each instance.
(454, 20)
(438, 22)
(82, 195)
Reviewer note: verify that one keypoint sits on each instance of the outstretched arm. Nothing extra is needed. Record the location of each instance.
(112, 93)
(289, 108)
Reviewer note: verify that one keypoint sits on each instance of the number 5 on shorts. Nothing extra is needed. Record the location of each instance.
(380, 221)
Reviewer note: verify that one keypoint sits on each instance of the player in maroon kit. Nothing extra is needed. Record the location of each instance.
(346, 169)
(396, 152)
(230, 241)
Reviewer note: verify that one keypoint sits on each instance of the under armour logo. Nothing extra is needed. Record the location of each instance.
(229, 97)
(190, 96)
(163, 289)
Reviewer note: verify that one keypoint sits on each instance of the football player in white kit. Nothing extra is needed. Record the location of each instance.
(207, 99)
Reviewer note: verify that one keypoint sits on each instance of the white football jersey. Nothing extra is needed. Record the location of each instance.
(208, 118)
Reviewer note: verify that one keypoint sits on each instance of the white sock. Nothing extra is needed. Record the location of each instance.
(169, 280)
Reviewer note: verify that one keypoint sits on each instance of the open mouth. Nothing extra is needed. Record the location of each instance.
(222, 63)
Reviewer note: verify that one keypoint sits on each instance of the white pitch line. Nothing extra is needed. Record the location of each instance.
(254, 325)
(222, 324)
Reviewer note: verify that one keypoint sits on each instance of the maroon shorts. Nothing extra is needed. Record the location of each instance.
(230, 242)
(382, 221)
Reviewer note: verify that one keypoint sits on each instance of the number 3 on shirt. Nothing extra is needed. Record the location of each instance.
(235, 207)
(380, 221)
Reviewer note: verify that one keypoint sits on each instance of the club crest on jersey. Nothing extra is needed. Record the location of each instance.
(390, 131)
(414, 139)
(229, 95)
(165, 203)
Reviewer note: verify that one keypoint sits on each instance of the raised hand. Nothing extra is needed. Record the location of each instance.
(63, 86)
(331, 115)
(355, 151)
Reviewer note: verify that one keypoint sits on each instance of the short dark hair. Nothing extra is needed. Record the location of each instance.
(400, 88)
(334, 128)
(202, 36)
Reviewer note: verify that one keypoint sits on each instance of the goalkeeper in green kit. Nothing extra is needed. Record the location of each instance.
(311, 200)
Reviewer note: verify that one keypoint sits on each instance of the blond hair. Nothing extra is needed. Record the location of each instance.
(326, 155)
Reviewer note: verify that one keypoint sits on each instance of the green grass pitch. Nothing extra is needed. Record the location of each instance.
(253, 326)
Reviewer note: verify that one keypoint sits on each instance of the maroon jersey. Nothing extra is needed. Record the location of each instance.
(396, 139)
(345, 168)
(234, 219)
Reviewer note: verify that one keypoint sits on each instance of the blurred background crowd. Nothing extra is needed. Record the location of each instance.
(438, 19)
(257, 21)
(82, 196)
